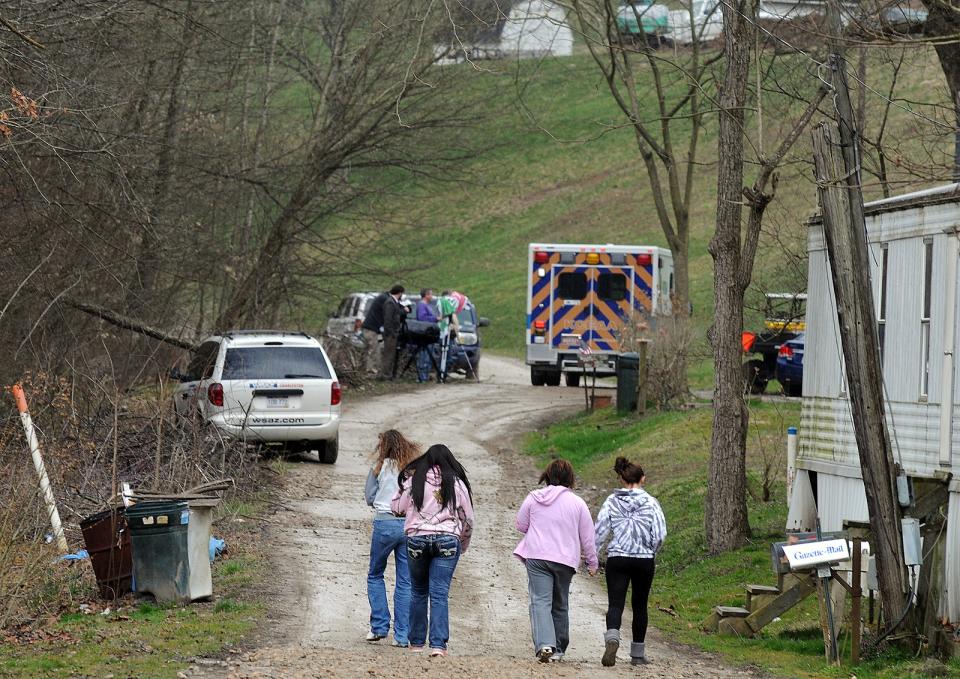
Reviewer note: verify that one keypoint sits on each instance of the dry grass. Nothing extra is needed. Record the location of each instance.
(93, 436)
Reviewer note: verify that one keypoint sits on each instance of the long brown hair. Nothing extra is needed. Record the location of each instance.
(392, 445)
(558, 473)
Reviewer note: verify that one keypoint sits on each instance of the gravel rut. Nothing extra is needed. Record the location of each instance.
(318, 612)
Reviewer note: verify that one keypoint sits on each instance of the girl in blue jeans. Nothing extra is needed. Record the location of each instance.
(436, 499)
(393, 453)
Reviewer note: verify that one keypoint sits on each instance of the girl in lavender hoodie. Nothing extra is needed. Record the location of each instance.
(558, 533)
(435, 497)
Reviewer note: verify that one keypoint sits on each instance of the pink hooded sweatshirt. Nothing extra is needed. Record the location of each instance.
(434, 518)
(557, 527)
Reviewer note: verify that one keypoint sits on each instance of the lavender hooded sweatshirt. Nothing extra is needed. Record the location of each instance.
(557, 527)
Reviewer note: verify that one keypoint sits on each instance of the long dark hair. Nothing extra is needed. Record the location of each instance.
(437, 455)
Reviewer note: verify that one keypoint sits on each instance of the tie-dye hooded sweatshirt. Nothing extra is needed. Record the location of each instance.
(632, 521)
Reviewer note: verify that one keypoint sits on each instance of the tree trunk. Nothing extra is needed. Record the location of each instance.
(942, 26)
(726, 521)
(151, 244)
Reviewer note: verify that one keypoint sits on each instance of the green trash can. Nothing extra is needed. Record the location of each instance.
(161, 556)
(628, 382)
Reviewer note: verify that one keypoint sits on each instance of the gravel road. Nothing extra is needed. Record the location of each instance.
(318, 607)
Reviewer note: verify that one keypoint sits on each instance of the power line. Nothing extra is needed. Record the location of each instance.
(820, 64)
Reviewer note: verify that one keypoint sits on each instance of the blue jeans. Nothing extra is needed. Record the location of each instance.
(424, 364)
(432, 560)
(388, 537)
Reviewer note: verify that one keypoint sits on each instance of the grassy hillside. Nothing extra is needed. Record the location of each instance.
(673, 448)
(557, 166)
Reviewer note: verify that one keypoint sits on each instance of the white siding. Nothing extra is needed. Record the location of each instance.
(828, 443)
(840, 498)
(822, 352)
(950, 603)
(827, 440)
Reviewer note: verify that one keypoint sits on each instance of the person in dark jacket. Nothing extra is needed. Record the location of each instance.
(393, 314)
(372, 323)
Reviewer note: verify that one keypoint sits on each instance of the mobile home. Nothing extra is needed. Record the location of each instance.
(913, 249)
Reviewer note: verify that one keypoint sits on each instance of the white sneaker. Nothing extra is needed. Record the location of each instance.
(544, 654)
(373, 636)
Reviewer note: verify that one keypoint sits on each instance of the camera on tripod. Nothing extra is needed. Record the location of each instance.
(419, 333)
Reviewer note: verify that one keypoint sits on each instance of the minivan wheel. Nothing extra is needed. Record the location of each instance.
(327, 451)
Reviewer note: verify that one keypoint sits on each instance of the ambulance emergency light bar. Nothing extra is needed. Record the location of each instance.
(542, 256)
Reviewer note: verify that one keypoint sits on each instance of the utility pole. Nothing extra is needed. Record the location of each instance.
(836, 164)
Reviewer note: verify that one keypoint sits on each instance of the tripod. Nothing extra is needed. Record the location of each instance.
(409, 347)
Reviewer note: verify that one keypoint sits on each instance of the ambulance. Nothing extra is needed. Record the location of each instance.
(580, 297)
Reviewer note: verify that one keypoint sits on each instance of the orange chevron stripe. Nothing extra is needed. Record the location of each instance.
(558, 326)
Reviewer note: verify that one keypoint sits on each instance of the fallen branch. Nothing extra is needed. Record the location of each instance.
(128, 323)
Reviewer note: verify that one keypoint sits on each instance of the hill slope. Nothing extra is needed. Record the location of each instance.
(558, 166)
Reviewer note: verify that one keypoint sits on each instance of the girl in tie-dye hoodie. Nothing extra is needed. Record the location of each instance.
(632, 527)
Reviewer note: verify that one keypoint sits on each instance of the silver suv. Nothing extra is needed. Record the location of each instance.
(268, 387)
(345, 322)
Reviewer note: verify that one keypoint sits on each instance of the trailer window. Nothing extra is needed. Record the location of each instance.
(612, 286)
(925, 318)
(882, 315)
(572, 285)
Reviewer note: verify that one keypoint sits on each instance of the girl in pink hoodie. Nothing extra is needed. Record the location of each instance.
(436, 499)
(558, 533)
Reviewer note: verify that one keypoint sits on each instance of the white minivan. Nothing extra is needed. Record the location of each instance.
(267, 387)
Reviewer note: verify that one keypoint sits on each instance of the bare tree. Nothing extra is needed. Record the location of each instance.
(668, 140)
(734, 248)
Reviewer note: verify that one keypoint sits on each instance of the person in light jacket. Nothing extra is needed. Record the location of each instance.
(435, 497)
(632, 527)
(557, 535)
(393, 453)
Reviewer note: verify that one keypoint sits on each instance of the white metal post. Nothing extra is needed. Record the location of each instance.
(45, 488)
(949, 345)
(791, 461)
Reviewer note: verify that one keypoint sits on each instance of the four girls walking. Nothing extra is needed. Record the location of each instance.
(424, 517)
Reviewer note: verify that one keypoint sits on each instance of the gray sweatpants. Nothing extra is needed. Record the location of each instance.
(549, 585)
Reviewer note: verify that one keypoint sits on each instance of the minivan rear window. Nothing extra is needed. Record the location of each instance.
(274, 363)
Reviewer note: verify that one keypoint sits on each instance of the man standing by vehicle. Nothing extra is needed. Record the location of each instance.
(426, 314)
(372, 323)
(393, 315)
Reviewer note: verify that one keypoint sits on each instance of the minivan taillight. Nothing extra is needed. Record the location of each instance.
(335, 394)
(215, 394)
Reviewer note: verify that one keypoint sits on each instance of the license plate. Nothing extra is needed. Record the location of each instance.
(277, 402)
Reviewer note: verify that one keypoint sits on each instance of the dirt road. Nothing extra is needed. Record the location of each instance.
(319, 612)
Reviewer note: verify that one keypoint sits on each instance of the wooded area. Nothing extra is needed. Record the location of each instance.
(181, 164)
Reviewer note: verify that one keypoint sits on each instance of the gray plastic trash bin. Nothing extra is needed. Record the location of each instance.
(161, 562)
